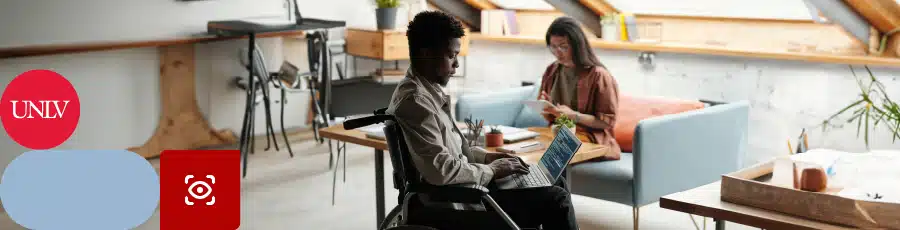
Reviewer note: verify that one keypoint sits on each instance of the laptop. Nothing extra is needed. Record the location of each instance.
(557, 156)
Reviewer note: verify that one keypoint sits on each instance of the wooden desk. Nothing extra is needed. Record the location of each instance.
(587, 151)
(706, 201)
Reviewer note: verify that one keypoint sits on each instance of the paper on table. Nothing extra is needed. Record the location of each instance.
(537, 105)
(872, 176)
(374, 128)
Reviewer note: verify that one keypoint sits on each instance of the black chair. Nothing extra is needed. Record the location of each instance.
(410, 211)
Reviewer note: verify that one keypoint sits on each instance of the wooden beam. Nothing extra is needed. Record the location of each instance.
(463, 12)
(600, 7)
(842, 14)
(579, 12)
(41, 50)
(712, 50)
(882, 14)
(482, 4)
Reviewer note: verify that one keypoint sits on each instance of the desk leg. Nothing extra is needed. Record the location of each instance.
(181, 124)
(720, 224)
(379, 186)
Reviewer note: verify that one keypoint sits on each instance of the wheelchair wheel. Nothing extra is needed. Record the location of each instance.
(392, 219)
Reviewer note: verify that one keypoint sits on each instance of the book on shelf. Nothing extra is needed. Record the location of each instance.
(499, 22)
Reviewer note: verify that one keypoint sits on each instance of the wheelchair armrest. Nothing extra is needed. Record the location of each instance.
(452, 193)
(366, 121)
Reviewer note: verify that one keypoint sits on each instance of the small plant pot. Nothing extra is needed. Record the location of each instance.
(386, 18)
(493, 139)
(555, 128)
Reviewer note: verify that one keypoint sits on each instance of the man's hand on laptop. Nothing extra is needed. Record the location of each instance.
(491, 157)
(508, 166)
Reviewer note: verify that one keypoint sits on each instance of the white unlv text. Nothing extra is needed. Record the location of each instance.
(42, 108)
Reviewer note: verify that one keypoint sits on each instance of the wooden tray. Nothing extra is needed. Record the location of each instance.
(758, 186)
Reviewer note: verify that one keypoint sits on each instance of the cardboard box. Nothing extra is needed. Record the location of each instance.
(758, 186)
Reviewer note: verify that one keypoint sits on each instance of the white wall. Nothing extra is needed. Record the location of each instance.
(29, 22)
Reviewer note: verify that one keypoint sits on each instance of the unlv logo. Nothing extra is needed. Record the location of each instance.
(40, 109)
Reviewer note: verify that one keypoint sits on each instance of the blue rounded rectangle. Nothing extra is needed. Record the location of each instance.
(98, 189)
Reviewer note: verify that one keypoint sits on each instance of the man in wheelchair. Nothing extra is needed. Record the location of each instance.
(436, 146)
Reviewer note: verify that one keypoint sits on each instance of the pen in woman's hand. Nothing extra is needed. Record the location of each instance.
(544, 96)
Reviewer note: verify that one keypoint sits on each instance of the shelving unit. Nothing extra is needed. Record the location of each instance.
(708, 50)
(42, 50)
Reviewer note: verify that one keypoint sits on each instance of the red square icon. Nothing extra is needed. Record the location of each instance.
(200, 189)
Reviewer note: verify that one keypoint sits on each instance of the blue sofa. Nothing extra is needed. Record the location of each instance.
(672, 153)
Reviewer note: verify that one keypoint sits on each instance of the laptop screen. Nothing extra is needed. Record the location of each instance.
(560, 151)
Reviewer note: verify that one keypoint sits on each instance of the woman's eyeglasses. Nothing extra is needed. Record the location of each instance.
(563, 49)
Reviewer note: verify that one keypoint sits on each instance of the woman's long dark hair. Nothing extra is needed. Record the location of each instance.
(582, 54)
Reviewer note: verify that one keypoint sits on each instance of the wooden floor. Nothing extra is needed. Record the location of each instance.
(295, 193)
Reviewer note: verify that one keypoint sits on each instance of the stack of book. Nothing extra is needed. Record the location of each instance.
(624, 27)
(499, 22)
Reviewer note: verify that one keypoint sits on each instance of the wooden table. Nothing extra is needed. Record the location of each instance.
(706, 201)
(587, 151)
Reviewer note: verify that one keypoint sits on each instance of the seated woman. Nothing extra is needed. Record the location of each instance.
(579, 86)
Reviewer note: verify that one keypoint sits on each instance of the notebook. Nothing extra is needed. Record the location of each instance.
(510, 134)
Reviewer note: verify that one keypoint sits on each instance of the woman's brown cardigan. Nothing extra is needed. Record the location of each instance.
(598, 95)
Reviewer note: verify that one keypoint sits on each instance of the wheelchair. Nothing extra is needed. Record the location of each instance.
(411, 213)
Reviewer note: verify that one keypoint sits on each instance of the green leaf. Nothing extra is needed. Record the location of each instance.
(871, 75)
(867, 128)
(845, 109)
(858, 81)
(878, 119)
(856, 114)
(858, 126)
(896, 130)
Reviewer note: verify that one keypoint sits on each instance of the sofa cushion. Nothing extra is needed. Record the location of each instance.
(528, 117)
(634, 109)
(499, 107)
(605, 180)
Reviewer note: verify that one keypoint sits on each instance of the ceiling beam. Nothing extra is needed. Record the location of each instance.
(464, 12)
(600, 7)
(482, 4)
(579, 12)
(844, 15)
(883, 14)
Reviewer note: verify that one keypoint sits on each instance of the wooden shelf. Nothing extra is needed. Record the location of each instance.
(708, 50)
(40, 50)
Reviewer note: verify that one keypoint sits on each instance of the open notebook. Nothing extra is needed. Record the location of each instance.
(510, 134)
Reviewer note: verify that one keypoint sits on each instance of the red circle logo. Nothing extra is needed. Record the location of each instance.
(40, 109)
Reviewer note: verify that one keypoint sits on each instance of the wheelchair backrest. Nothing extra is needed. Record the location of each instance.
(405, 173)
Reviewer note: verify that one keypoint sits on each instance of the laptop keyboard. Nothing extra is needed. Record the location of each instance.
(533, 178)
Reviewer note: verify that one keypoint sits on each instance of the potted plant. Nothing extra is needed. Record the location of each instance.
(494, 138)
(563, 121)
(873, 107)
(386, 13)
